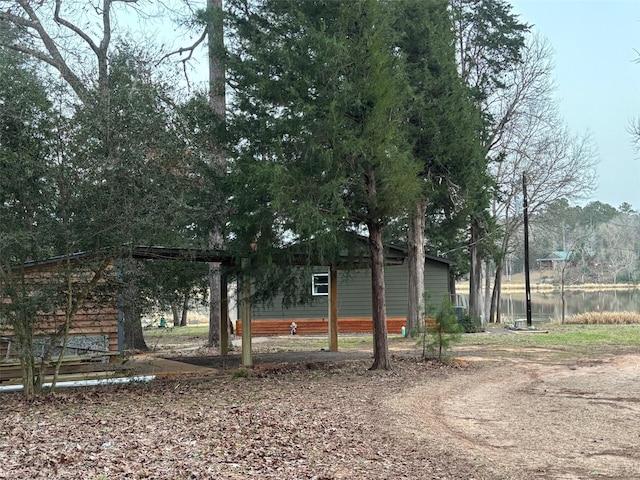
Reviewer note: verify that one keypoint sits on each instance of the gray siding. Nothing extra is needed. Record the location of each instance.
(354, 294)
(436, 281)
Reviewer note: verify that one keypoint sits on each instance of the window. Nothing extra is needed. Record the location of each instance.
(320, 284)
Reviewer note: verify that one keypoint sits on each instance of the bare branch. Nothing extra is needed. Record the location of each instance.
(74, 28)
(32, 52)
(28, 15)
(16, 19)
(55, 58)
(182, 50)
(634, 131)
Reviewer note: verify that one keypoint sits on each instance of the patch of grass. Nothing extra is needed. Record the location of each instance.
(188, 331)
(242, 373)
(562, 336)
(353, 342)
(300, 343)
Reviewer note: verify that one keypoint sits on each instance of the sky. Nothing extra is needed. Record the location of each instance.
(598, 81)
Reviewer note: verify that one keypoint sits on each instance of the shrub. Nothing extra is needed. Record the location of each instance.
(242, 373)
(437, 337)
(470, 324)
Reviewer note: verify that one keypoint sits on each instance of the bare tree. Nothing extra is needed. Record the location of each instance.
(533, 140)
(617, 253)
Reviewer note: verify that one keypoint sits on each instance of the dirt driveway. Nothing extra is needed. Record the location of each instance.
(533, 418)
(511, 413)
(525, 413)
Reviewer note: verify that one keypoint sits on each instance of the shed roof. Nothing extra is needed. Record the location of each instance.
(394, 254)
(555, 256)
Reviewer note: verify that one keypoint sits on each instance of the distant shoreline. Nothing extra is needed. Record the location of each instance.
(587, 287)
(548, 287)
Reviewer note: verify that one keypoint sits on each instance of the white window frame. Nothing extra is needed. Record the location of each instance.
(320, 282)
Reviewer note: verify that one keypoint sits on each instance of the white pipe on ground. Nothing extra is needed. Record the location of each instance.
(85, 383)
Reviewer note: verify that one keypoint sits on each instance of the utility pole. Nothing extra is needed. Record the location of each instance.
(527, 279)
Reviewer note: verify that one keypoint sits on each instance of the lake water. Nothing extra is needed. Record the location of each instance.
(548, 305)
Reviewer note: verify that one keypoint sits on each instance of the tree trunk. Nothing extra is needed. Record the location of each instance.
(475, 272)
(217, 100)
(416, 259)
(214, 303)
(562, 296)
(381, 360)
(486, 292)
(31, 380)
(494, 314)
(175, 314)
(69, 314)
(185, 310)
(133, 335)
(452, 287)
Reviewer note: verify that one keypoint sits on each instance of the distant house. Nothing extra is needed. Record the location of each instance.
(553, 260)
(354, 298)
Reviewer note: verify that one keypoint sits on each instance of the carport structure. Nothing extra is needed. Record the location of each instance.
(225, 259)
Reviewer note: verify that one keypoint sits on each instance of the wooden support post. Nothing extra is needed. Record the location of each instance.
(245, 309)
(224, 315)
(333, 309)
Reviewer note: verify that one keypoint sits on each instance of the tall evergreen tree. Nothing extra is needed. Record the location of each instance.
(27, 199)
(489, 41)
(132, 168)
(319, 91)
(444, 126)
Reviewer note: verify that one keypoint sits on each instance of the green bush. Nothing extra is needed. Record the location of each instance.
(469, 323)
(242, 372)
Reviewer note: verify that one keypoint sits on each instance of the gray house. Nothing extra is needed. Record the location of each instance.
(354, 298)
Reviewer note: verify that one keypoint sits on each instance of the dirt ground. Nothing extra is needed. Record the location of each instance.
(537, 418)
(492, 414)
(520, 414)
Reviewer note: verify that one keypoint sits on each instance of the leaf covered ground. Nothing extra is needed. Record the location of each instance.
(517, 407)
(279, 424)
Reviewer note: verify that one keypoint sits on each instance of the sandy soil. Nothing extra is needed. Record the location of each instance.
(533, 419)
